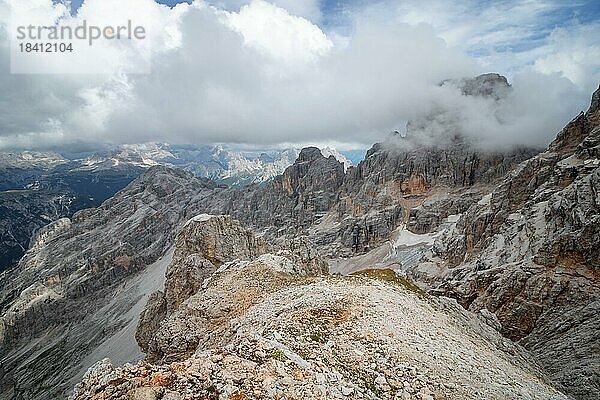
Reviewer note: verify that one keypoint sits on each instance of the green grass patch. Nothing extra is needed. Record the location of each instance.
(317, 337)
(277, 355)
(388, 275)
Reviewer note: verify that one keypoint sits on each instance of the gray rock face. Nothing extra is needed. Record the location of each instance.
(294, 201)
(399, 174)
(22, 213)
(352, 212)
(301, 251)
(378, 194)
(218, 239)
(530, 253)
(205, 243)
(38, 188)
(155, 311)
(429, 216)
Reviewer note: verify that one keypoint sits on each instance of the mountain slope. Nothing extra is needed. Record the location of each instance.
(41, 188)
(38, 188)
(67, 292)
(530, 252)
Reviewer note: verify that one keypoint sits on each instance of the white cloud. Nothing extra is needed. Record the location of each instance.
(226, 91)
(273, 31)
(258, 74)
(574, 54)
(511, 36)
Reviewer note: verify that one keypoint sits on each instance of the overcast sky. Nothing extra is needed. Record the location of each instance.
(343, 73)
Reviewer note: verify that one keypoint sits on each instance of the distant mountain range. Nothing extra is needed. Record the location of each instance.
(220, 163)
(37, 188)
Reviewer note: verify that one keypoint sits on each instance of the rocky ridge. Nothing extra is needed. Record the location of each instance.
(267, 327)
(208, 245)
(38, 188)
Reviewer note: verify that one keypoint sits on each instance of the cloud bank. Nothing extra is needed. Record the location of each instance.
(258, 73)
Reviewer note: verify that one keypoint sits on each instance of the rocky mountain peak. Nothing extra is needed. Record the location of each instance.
(154, 175)
(309, 154)
(593, 112)
(485, 85)
(204, 244)
(528, 252)
(312, 172)
(578, 129)
(443, 127)
(207, 248)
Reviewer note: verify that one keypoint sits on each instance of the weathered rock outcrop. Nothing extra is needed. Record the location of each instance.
(205, 243)
(486, 85)
(293, 201)
(264, 326)
(379, 194)
(207, 246)
(68, 290)
(429, 216)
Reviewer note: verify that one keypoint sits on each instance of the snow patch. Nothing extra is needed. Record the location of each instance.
(199, 218)
(571, 161)
(485, 200)
(453, 218)
(407, 239)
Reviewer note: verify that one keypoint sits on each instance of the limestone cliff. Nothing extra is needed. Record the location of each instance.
(530, 252)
